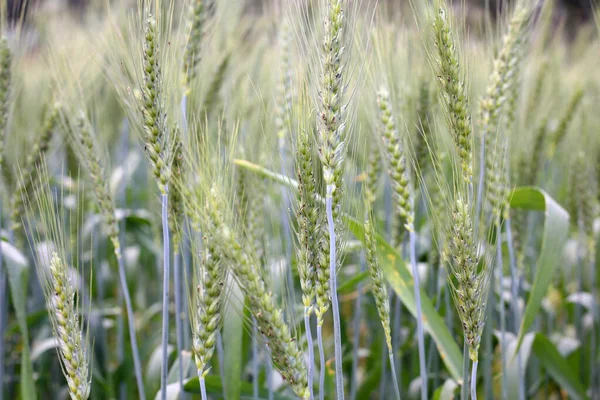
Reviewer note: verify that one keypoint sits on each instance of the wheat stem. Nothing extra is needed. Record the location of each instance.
(202, 386)
(165, 292)
(420, 330)
(3, 307)
(339, 374)
(322, 365)
(500, 272)
(464, 390)
(255, 360)
(474, 380)
(310, 349)
(178, 312)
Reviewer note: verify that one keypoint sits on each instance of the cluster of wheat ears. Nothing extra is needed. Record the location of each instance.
(304, 157)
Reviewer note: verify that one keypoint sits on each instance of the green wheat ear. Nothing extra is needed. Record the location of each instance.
(470, 288)
(29, 172)
(452, 84)
(197, 20)
(154, 118)
(5, 87)
(59, 289)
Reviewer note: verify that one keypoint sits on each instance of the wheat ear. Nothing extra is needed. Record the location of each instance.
(88, 155)
(68, 329)
(307, 215)
(284, 349)
(401, 182)
(5, 87)
(453, 88)
(5, 82)
(154, 127)
(331, 126)
(25, 185)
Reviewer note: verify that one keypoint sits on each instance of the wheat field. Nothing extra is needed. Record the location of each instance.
(309, 199)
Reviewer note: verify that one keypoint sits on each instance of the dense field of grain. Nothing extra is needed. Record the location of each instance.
(320, 199)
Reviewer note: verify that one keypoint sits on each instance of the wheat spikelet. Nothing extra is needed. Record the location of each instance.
(152, 109)
(283, 347)
(197, 19)
(451, 81)
(208, 300)
(5, 87)
(68, 330)
(32, 161)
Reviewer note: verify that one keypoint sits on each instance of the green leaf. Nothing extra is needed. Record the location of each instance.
(549, 358)
(233, 332)
(215, 387)
(18, 274)
(556, 229)
(558, 367)
(350, 284)
(398, 277)
(447, 391)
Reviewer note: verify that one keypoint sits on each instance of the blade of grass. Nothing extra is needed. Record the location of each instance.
(556, 229)
(17, 269)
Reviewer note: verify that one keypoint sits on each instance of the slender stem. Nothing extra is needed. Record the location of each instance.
(311, 351)
(255, 361)
(474, 380)
(420, 333)
(3, 309)
(178, 315)
(339, 374)
(394, 377)
(203, 388)
(384, 374)
(269, 373)
(121, 347)
(321, 363)
(396, 338)
(464, 390)
(593, 338)
(500, 272)
(488, 340)
(165, 299)
(514, 286)
(137, 365)
(356, 332)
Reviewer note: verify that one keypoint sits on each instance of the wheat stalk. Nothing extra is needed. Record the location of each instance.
(331, 126)
(155, 136)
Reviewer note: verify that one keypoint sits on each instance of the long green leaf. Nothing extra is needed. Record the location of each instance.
(18, 273)
(558, 367)
(549, 358)
(398, 277)
(556, 229)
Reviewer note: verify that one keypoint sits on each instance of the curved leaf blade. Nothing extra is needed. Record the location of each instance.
(18, 274)
(556, 229)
